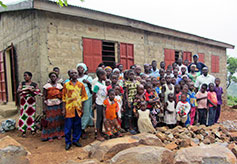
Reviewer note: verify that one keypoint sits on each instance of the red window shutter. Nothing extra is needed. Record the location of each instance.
(92, 53)
(3, 93)
(169, 57)
(201, 57)
(126, 55)
(215, 64)
(187, 56)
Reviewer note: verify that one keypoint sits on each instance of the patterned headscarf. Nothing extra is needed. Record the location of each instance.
(108, 67)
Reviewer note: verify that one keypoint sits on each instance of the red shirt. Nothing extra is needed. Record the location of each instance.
(110, 87)
(211, 96)
(149, 96)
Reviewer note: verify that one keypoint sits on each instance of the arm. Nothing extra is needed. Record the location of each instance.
(44, 99)
(201, 98)
(64, 100)
(104, 109)
(163, 89)
(19, 90)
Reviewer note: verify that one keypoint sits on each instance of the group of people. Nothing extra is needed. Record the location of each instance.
(119, 100)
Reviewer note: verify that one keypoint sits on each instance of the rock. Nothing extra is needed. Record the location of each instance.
(206, 141)
(87, 161)
(13, 155)
(195, 129)
(144, 154)
(205, 154)
(233, 136)
(161, 136)
(162, 129)
(171, 136)
(211, 138)
(196, 141)
(103, 151)
(171, 146)
(200, 137)
(233, 148)
(148, 139)
(185, 142)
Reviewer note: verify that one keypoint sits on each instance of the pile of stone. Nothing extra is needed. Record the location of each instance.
(180, 137)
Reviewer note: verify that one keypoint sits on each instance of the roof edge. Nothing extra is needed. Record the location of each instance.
(19, 6)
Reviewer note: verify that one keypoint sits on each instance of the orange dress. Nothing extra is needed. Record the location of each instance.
(111, 109)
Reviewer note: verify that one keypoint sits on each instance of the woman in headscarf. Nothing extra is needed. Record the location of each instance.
(27, 91)
(52, 100)
(87, 110)
(108, 71)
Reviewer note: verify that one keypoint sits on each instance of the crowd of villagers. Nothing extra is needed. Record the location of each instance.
(119, 101)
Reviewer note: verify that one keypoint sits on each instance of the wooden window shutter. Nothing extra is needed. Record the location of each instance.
(201, 57)
(126, 55)
(215, 64)
(92, 53)
(187, 56)
(169, 57)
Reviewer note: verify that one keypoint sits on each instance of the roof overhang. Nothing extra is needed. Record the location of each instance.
(112, 19)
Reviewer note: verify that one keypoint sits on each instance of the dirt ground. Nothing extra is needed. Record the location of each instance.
(54, 152)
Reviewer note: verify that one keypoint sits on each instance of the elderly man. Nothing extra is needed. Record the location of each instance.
(199, 65)
(73, 96)
(205, 78)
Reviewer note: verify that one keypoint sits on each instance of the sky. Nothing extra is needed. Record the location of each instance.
(213, 19)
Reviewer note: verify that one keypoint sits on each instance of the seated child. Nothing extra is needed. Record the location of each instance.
(202, 104)
(212, 104)
(182, 110)
(112, 127)
(170, 113)
(144, 119)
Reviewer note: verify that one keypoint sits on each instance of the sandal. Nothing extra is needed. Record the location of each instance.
(23, 135)
(59, 138)
(33, 132)
(50, 140)
(100, 138)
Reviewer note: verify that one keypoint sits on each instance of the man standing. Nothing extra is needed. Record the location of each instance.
(205, 78)
(73, 96)
(199, 65)
(154, 70)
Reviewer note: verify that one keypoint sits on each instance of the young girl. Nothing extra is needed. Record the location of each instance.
(212, 104)
(177, 93)
(111, 107)
(170, 114)
(162, 107)
(182, 109)
(152, 103)
(219, 92)
(193, 102)
(168, 87)
(144, 120)
(156, 86)
(202, 104)
(119, 100)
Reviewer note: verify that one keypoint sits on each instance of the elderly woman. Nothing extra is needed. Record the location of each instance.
(27, 91)
(87, 111)
(52, 100)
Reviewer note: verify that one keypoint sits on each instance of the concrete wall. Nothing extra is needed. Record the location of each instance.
(45, 40)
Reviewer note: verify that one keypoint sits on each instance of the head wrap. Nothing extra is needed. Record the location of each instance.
(83, 65)
(193, 65)
(108, 67)
(116, 69)
(53, 73)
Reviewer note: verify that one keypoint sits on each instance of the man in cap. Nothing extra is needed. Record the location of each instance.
(199, 65)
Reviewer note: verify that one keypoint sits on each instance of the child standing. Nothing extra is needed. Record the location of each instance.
(219, 92)
(131, 91)
(99, 95)
(177, 90)
(168, 87)
(193, 102)
(212, 104)
(202, 104)
(144, 120)
(170, 114)
(112, 127)
(182, 109)
(119, 100)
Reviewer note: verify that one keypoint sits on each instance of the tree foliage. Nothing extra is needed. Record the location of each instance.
(232, 69)
(3, 5)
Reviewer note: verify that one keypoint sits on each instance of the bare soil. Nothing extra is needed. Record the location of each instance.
(54, 152)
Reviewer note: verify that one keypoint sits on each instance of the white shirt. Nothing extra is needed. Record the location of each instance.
(101, 93)
(181, 67)
(204, 80)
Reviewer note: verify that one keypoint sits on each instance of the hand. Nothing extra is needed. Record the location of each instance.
(85, 81)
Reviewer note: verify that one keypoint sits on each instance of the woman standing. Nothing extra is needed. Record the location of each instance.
(87, 111)
(27, 91)
(193, 74)
(52, 100)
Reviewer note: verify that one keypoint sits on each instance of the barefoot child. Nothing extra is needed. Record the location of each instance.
(170, 113)
(182, 109)
(202, 104)
(219, 92)
(144, 120)
(99, 96)
(112, 127)
(212, 104)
